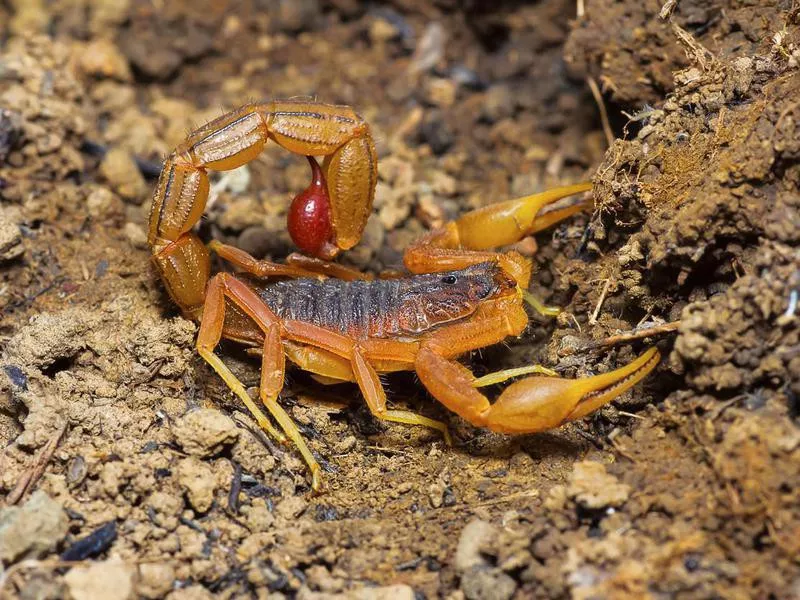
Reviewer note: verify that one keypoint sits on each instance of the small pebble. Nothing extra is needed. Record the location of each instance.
(381, 31)
(31, 530)
(346, 445)
(110, 580)
(102, 203)
(204, 432)
(10, 235)
(135, 235)
(591, 487)
(102, 59)
(121, 171)
(198, 480)
(155, 580)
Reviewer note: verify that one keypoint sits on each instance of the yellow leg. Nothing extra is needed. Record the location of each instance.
(237, 388)
(412, 418)
(505, 374)
(375, 397)
(539, 306)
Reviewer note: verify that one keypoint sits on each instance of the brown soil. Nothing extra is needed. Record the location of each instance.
(687, 487)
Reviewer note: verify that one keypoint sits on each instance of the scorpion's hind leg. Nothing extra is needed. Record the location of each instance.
(224, 286)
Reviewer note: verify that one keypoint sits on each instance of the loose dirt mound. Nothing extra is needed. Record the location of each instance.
(123, 451)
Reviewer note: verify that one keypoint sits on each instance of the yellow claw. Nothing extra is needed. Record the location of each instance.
(508, 222)
(540, 403)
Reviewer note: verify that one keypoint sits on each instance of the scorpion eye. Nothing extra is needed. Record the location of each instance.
(449, 279)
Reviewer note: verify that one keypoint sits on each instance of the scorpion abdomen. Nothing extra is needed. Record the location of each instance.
(359, 308)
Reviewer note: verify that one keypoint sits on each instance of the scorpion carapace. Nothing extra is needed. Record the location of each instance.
(463, 295)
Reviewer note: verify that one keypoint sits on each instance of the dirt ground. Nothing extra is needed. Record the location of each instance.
(129, 471)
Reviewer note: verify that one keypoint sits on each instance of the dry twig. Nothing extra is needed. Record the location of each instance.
(35, 472)
(695, 51)
(667, 8)
(593, 318)
(636, 334)
(601, 106)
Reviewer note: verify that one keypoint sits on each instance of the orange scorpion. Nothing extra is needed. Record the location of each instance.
(340, 325)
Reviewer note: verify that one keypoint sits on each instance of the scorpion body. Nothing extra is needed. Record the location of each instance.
(384, 308)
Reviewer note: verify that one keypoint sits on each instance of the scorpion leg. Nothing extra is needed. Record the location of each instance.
(224, 286)
(506, 374)
(361, 354)
(260, 268)
(317, 266)
(468, 240)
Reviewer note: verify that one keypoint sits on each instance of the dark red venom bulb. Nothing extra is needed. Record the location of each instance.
(309, 219)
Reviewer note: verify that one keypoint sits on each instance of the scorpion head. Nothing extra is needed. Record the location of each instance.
(430, 300)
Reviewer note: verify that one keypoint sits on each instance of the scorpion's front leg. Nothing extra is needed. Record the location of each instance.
(530, 405)
(469, 239)
(307, 128)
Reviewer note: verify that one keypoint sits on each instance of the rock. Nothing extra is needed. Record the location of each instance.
(48, 337)
(10, 132)
(482, 583)
(389, 592)
(136, 235)
(440, 92)
(430, 48)
(435, 132)
(10, 235)
(101, 58)
(31, 530)
(256, 241)
(346, 445)
(204, 432)
(474, 536)
(108, 14)
(30, 17)
(298, 15)
(110, 580)
(498, 103)
(591, 487)
(102, 203)
(155, 580)
(121, 171)
(193, 592)
(381, 31)
(291, 507)
(240, 214)
(198, 480)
